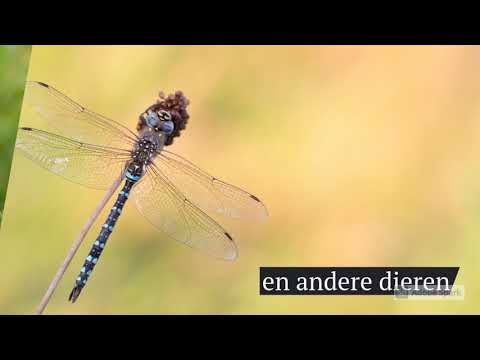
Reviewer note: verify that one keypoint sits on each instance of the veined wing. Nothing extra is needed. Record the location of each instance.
(208, 192)
(170, 212)
(86, 164)
(72, 120)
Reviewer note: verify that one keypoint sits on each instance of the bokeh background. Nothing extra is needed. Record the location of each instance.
(364, 156)
(13, 71)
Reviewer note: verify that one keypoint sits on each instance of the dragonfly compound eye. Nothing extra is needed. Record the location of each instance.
(152, 119)
(168, 127)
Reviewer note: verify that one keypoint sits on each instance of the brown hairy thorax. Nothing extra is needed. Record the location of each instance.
(176, 104)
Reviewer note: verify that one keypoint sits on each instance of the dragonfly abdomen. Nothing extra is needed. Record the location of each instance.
(101, 240)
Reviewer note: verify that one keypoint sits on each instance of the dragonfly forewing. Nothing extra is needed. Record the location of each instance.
(70, 119)
(208, 192)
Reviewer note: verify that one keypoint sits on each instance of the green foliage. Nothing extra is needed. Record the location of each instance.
(13, 71)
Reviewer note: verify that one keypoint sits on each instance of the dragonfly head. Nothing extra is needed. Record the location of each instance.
(168, 116)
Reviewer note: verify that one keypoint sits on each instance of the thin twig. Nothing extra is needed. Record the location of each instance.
(76, 245)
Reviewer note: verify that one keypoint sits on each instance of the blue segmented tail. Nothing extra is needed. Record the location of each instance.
(102, 238)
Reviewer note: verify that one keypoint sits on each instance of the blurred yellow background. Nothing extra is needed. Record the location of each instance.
(364, 156)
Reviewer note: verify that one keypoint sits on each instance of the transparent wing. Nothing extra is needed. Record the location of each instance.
(89, 165)
(170, 212)
(73, 121)
(208, 192)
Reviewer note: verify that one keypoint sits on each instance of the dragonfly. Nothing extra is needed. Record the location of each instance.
(172, 193)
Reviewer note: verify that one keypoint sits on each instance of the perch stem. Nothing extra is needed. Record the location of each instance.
(91, 220)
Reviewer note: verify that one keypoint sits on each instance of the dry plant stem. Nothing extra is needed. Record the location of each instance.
(76, 245)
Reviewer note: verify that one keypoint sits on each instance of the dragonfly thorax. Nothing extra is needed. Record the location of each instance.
(145, 150)
(142, 155)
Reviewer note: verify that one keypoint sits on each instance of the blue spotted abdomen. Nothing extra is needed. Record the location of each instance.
(101, 240)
